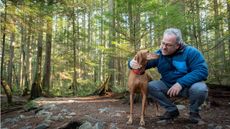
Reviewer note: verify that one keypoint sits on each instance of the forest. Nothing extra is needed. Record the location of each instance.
(72, 47)
(64, 63)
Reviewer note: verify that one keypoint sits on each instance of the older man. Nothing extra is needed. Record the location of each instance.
(183, 70)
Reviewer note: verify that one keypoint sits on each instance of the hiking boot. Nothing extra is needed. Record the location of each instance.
(194, 117)
(169, 115)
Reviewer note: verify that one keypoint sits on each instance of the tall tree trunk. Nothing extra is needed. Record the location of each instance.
(217, 27)
(228, 12)
(36, 90)
(131, 26)
(112, 35)
(22, 58)
(12, 43)
(198, 24)
(134, 24)
(74, 53)
(29, 56)
(11, 61)
(3, 43)
(47, 65)
(2, 81)
(101, 56)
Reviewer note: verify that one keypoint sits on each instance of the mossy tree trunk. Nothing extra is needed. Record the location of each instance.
(7, 90)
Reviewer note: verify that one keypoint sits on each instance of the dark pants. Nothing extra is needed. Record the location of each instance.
(197, 93)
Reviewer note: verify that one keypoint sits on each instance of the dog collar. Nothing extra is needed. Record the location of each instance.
(138, 72)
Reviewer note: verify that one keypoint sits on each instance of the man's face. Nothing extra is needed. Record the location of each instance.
(169, 45)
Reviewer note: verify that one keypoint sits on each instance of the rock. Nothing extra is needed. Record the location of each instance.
(72, 114)
(45, 114)
(27, 127)
(218, 127)
(98, 125)
(42, 126)
(228, 126)
(180, 107)
(164, 122)
(211, 126)
(86, 125)
(59, 117)
(68, 117)
(65, 111)
(141, 128)
(187, 127)
(90, 118)
(21, 117)
(10, 120)
(102, 110)
(117, 114)
(49, 107)
(113, 126)
(201, 122)
(48, 121)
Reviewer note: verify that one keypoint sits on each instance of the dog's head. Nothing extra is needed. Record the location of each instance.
(143, 56)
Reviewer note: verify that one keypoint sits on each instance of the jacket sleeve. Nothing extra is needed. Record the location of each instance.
(198, 69)
(151, 64)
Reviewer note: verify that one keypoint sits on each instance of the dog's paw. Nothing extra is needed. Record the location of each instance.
(142, 123)
(129, 122)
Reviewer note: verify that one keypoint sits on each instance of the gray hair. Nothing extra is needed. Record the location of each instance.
(176, 32)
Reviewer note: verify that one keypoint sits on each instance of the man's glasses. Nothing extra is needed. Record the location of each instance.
(167, 44)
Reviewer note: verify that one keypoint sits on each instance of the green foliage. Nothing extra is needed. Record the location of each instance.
(31, 105)
(119, 89)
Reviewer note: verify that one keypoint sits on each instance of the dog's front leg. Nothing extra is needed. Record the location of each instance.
(130, 121)
(142, 121)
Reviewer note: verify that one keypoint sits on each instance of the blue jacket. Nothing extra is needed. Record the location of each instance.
(187, 66)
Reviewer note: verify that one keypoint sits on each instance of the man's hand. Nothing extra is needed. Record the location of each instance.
(152, 56)
(174, 90)
(134, 64)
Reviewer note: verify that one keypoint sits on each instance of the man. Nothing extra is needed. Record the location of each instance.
(183, 70)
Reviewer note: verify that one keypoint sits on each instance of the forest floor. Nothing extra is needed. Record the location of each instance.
(112, 112)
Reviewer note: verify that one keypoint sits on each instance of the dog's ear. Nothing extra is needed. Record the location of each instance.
(138, 57)
(141, 57)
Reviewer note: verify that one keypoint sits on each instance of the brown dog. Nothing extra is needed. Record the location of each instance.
(138, 81)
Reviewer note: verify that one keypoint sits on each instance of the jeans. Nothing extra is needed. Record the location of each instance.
(197, 93)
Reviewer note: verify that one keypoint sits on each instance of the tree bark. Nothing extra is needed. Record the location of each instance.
(11, 61)
(4, 84)
(74, 53)
(28, 58)
(7, 90)
(112, 35)
(47, 65)
(22, 58)
(36, 90)
(228, 12)
(3, 42)
(134, 24)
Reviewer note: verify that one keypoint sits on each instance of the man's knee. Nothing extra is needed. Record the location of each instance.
(154, 86)
(199, 88)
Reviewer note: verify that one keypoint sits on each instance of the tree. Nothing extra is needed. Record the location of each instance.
(47, 65)
(36, 90)
(4, 84)
(74, 52)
